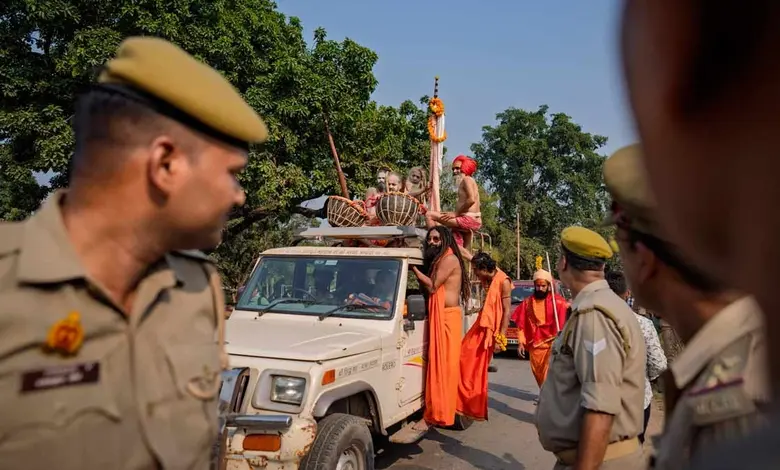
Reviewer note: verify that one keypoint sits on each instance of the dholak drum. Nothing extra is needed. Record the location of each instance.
(345, 213)
(398, 209)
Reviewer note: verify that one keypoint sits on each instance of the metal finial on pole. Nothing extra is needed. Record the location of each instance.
(436, 87)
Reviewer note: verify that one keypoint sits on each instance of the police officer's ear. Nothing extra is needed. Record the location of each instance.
(170, 158)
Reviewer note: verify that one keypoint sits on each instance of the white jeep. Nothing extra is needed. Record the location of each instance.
(327, 348)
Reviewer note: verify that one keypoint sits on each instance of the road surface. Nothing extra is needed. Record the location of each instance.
(507, 441)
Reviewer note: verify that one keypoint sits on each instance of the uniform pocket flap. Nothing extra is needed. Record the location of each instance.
(195, 367)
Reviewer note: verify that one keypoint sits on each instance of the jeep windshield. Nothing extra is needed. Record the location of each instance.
(301, 285)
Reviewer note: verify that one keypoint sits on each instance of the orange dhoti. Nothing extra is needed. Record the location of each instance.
(477, 351)
(539, 357)
(474, 361)
(445, 328)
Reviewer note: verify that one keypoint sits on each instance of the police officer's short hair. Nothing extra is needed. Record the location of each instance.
(581, 263)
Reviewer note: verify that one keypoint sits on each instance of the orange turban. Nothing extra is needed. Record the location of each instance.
(468, 166)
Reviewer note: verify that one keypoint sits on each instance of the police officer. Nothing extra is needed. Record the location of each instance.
(717, 387)
(591, 405)
(710, 137)
(108, 357)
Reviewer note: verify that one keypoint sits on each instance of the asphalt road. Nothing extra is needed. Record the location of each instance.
(507, 441)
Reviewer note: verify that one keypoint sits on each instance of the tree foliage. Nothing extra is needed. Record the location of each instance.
(547, 168)
(51, 51)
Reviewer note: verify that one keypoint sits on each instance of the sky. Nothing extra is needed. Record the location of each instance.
(489, 56)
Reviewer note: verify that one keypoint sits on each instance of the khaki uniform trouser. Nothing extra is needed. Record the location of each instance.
(623, 455)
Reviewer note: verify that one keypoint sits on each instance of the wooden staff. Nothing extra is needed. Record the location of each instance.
(552, 287)
(336, 161)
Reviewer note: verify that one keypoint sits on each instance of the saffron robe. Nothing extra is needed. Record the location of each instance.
(537, 329)
(477, 351)
(445, 326)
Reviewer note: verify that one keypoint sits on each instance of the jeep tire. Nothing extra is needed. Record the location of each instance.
(462, 422)
(343, 442)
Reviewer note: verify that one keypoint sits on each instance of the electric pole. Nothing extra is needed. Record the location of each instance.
(517, 235)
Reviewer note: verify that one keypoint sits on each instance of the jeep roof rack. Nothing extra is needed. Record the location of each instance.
(366, 233)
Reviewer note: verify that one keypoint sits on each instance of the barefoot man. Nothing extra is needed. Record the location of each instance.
(467, 217)
(487, 335)
(446, 286)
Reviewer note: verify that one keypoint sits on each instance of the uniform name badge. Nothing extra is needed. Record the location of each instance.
(60, 376)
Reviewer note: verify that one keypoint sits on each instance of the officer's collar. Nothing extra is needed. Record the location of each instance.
(588, 290)
(47, 255)
(735, 320)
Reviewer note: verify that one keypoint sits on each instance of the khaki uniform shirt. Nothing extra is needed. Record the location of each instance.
(721, 383)
(126, 398)
(598, 363)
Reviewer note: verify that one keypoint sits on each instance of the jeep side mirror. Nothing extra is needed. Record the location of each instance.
(417, 310)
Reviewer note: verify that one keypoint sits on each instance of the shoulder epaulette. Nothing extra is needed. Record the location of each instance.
(591, 307)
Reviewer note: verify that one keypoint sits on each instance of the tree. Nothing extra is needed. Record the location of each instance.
(236, 259)
(51, 50)
(546, 167)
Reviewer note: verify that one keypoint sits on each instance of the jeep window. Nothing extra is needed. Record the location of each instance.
(328, 282)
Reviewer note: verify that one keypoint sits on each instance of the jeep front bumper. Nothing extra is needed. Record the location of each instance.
(297, 436)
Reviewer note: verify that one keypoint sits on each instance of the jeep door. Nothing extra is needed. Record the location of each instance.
(413, 351)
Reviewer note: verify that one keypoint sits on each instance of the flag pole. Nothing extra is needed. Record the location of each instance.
(552, 289)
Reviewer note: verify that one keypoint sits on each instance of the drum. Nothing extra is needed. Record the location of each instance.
(398, 209)
(345, 213)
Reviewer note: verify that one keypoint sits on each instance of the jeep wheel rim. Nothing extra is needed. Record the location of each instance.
(351, 459)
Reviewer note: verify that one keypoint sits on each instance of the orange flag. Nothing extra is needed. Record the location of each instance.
(477, 351)
(444, 332)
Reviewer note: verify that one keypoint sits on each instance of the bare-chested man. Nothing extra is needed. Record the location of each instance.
(467, 217)
(447, 286)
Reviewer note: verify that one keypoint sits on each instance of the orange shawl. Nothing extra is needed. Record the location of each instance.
(477, 351)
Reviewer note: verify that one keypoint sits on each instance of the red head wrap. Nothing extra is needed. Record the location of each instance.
(468, 166)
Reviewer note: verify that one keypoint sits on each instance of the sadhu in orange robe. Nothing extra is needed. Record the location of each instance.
(445, 327)
(535, 320)
(477, 351)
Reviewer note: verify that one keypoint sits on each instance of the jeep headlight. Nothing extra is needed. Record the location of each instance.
(287, 389)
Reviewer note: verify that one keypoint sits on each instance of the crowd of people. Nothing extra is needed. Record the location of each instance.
(595, 364)
(464, 220)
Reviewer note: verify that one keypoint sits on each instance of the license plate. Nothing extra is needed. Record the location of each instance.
(511, 341)
(511, 332)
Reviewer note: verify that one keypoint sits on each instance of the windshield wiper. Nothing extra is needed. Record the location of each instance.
(350, 306)
(264, 310)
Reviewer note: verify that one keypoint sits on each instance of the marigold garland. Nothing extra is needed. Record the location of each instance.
(538, 263)
(501, 341)
(432, 131)
(436, 105)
